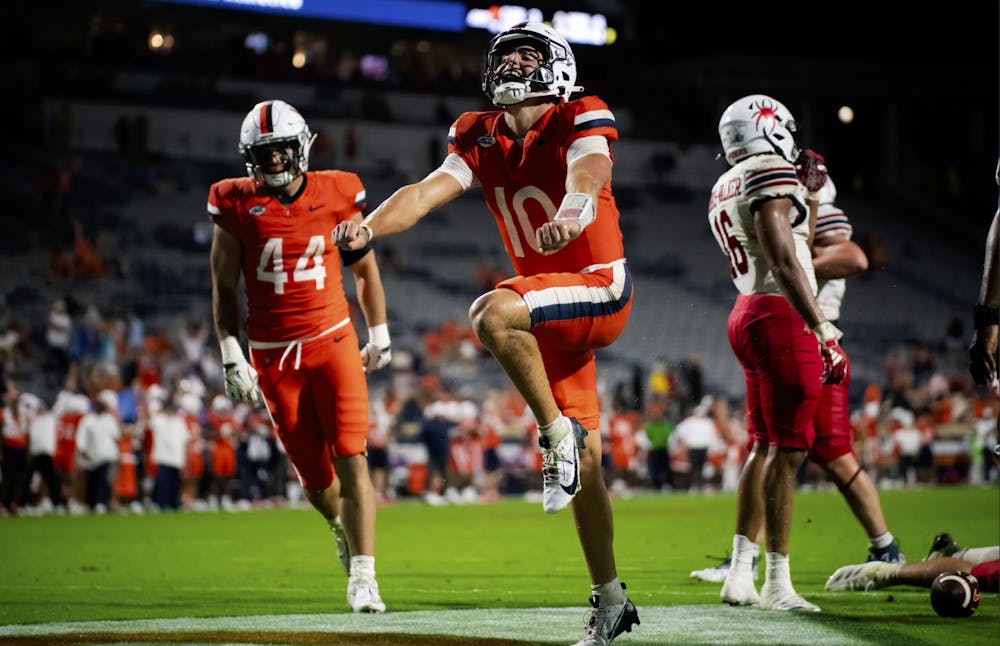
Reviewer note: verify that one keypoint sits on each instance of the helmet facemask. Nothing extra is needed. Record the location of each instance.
(554, 76)
(272, 124)
(259, 158)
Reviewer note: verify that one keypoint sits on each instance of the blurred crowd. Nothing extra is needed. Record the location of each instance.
(139, 422)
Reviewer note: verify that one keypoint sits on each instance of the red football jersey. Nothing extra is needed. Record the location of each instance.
(524, 186)
(290, 266)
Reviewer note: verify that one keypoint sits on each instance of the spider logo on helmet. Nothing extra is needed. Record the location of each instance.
(757, 124)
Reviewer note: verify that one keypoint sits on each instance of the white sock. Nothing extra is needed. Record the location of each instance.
(743, 545)
(610, 593)
(744, 552)
(363, 564)
(881, 541)
(977, 555)
(556, 430)
(778, 572)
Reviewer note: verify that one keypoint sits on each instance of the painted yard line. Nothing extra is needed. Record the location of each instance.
(662, 624)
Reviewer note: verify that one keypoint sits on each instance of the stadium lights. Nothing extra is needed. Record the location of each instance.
(161, 42)
(576, 26)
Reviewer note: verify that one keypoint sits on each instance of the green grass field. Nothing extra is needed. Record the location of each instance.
(504, 573)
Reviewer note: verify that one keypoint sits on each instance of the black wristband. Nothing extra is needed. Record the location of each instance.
(983, 316)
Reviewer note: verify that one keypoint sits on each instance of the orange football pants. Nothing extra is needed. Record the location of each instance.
(318, 399)
(572, 315)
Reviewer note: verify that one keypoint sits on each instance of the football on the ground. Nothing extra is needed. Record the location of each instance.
(955, 594)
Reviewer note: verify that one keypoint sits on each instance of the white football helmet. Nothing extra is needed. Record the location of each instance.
(555, 75)
(757, 124)
(274, 122)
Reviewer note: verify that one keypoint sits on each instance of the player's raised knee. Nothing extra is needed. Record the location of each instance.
(492, 313)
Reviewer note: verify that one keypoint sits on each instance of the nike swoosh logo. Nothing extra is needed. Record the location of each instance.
(571, 489)
(339, 338)
(313, 208)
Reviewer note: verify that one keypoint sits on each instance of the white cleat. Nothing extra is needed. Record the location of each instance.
(738, 589)
(718, 573)
(604, 623)
(362, 594)
(784, 598)
(343, 551)
(561, 468)
(864, 576)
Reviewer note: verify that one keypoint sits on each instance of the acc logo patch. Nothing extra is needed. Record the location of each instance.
(485, 141)
(258, 210)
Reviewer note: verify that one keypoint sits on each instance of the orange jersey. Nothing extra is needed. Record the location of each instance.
(290, 266)
(66, 427)
(223, 458)
(126, 484)
(194, 461)
(524, 187)
(223, 444)
(621, 429)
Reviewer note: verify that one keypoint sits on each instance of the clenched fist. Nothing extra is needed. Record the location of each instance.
(350, 235)
(835, 362)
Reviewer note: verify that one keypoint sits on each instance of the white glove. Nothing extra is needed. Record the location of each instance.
(377, 353)
(241, 378)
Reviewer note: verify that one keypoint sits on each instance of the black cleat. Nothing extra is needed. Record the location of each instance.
(943, 545)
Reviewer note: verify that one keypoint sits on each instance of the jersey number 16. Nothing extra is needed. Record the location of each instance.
(738, 262)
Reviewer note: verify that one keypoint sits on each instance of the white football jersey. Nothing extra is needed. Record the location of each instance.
(730, 217)
(831, 221)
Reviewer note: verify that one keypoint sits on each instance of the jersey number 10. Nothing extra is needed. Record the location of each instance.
(523, 222)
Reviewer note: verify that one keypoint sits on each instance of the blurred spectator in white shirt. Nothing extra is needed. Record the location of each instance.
(170, 437)
(699, 433)
(985, 429)
(42, 448)
(97, 447)
(906, 439)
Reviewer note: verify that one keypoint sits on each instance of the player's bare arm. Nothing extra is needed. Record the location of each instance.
(585, 179)
(812, 203)
(226, 261)
(368, 283)
(989, 292)
(837, 257)
(771, 220)
(377, 352)
(985, 343)
(399, 211)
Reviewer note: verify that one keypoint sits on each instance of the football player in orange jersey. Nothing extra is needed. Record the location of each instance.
(544, 164)
(273, 229)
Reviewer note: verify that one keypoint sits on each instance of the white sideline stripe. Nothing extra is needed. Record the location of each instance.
(701, 624)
